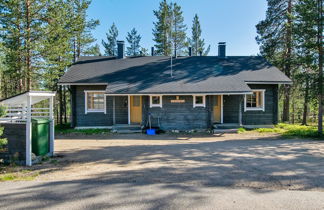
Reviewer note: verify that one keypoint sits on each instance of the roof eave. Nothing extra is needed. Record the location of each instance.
(270, 82)
(184, 93)
(82, 83)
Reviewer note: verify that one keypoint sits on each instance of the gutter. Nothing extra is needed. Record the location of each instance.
(270, 83)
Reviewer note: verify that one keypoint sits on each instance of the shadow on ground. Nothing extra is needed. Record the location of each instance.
(184, 168)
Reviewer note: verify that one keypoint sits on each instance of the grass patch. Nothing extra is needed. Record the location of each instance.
(24, 175)
(66, 129)
(241, 130)
(292, 130)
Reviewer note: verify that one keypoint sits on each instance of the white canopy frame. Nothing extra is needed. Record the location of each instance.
(20, 110)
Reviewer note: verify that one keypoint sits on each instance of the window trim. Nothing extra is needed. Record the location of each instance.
(255, 108)
(155, 105)
(199, 105)
(86, 110)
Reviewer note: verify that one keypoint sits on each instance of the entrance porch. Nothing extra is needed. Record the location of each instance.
(168, 112)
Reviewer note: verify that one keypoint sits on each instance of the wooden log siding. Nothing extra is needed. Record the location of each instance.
(270, 115)
(91, 118)
(178, 116)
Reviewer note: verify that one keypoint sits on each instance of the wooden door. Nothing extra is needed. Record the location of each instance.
(136, 109)
(217, 107)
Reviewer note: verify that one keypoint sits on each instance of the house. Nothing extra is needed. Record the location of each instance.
(190, 92)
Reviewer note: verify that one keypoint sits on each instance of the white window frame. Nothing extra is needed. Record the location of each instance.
(255, 108)
(199, 105)
(155, 105)
(86, 110)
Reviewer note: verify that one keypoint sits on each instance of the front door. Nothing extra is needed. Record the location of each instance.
(217, 107)
(136, 109)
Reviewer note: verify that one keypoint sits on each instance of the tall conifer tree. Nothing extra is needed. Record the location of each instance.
(178, 30)
(133, 39)
(111, 44)
(196, 42)
(309, 36)
(275, 37)
(162, 29)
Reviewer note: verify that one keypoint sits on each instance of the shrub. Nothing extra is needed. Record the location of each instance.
(2, 111)
(3, 142)
(241, 130)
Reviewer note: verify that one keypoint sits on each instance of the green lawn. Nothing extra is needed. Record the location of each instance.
(66, 129)
(16, 173)
(292, 130)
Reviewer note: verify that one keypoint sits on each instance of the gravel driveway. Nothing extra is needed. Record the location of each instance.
(260, 162)
(175, 172)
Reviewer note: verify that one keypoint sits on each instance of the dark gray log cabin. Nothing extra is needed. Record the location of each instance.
(196, 92)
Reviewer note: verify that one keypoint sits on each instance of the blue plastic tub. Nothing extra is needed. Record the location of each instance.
(150, 131)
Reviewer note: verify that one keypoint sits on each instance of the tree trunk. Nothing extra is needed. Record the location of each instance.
(320, 66)
(293, 108)
(305, 109)
(74, 51)
(61, 106)
(64, 101)
(28, 42)
(286, 104)
(287, 65)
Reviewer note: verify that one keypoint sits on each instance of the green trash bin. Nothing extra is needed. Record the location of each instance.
(40, 136)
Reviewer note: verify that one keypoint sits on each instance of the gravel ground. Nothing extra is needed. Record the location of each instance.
(235, 171)
(233, 160)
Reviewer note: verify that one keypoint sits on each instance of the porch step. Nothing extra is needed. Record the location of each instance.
(121, 128)
(128, 131)
(127, 127)
(226, 126)
(222, 131)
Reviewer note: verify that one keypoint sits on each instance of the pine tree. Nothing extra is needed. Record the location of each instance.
(111, 44)
(196, 42)
(22, 24)
(133, 40)
(82, 38)
(93, 51)
(144, 52)
(275, 37)
(162, 29)
(309, 35)
(178, 30)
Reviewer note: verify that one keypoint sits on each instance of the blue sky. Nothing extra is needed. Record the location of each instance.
(232, 21)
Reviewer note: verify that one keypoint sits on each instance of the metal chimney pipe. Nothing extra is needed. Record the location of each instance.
(190, 51)
(120, 49)
(222, 49)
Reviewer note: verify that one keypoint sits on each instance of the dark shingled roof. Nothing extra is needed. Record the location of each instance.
(196, 74)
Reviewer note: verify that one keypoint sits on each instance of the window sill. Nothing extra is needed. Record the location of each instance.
(95, 111)
(156, 106)
(254, 109)
(197, 106)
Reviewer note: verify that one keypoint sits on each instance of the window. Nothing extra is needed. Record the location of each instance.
(136, 101)
(199, 101)
(156, 101)
(95, 101)
(254, 101)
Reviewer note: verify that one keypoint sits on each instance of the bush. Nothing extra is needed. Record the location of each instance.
(2, 111)
(241, 130)
(3, 142)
